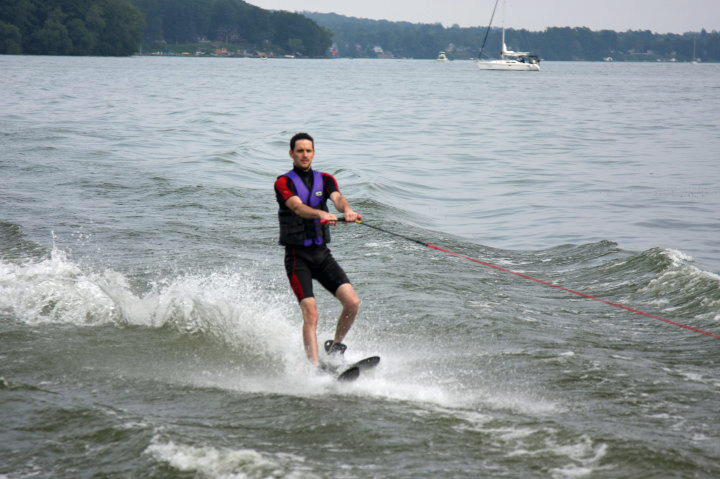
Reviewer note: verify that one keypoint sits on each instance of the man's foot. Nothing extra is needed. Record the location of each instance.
(332, 348)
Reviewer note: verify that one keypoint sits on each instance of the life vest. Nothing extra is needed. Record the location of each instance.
(298, 231)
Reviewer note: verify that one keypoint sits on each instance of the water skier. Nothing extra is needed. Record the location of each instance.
(302, 194)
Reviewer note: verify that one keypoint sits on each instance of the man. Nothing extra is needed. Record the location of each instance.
(302, 194)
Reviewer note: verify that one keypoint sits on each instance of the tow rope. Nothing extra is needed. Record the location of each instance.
(540, 281)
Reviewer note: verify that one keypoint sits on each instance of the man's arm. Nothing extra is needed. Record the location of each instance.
(296, 205)
(342, 205)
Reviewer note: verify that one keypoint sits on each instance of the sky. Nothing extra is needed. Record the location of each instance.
(659, 16)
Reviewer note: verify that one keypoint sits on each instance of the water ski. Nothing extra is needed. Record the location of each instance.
(349, 375)
(352, 372)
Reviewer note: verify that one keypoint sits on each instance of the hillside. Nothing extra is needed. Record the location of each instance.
(121, 27)
(363, 38)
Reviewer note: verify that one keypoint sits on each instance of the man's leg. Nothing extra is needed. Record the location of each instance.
(310, 320)
(350, 303)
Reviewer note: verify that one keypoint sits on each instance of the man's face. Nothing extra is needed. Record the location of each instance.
(303, 154)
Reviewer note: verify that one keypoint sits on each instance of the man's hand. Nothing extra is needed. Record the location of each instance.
(295, 204)
(342, 205)
(350, 215)
(326, 217)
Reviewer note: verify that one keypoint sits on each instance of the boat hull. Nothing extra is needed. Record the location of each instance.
(508, 65)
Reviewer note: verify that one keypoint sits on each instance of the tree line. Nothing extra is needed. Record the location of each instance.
(121, 27)
(70, 27)
(359, 38)
(232, 22)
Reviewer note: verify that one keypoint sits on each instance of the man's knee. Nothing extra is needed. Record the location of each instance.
(309, 310)
(353, 303)
(348, 298)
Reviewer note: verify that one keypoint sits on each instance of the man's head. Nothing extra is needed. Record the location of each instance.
(300, 136)
(302, 151)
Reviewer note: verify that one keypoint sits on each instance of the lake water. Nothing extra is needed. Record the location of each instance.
(147, 328)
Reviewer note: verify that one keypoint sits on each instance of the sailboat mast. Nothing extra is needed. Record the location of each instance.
(502, 44)
(488, 28)
(503, 49)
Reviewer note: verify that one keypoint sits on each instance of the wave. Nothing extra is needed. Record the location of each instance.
(38, 286)
(224, 462)
(232, 307)
(661, 279)
(255, 323)
(665, 279)
(256, 320)
(15, 245)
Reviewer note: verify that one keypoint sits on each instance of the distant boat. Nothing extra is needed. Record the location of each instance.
(509, 60)
(442, 57)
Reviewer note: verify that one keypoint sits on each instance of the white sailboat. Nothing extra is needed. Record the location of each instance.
(509, 60)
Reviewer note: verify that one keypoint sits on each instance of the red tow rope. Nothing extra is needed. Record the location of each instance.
(584, 295)
(540, 281)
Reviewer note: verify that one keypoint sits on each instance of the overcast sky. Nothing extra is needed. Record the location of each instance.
(661, 16)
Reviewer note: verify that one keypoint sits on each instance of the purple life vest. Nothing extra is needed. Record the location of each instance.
(315, 233)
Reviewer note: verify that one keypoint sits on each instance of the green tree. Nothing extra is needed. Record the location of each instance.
(152, 10)
(95, 19)
(255, 24)
(185, 20)
(224, 20)
(296, 45)
(10, 39)
(83, 41)
(315, 40)
(21, 13)
(53, 38)
(122, 31)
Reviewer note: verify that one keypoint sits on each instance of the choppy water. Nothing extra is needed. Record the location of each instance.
(147, 330)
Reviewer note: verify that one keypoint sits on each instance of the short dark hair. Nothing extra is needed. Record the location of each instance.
(300, 136)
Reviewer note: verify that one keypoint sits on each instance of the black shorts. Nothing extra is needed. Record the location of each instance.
(314, 262)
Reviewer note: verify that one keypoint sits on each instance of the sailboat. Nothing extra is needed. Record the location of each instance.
(509, 60)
